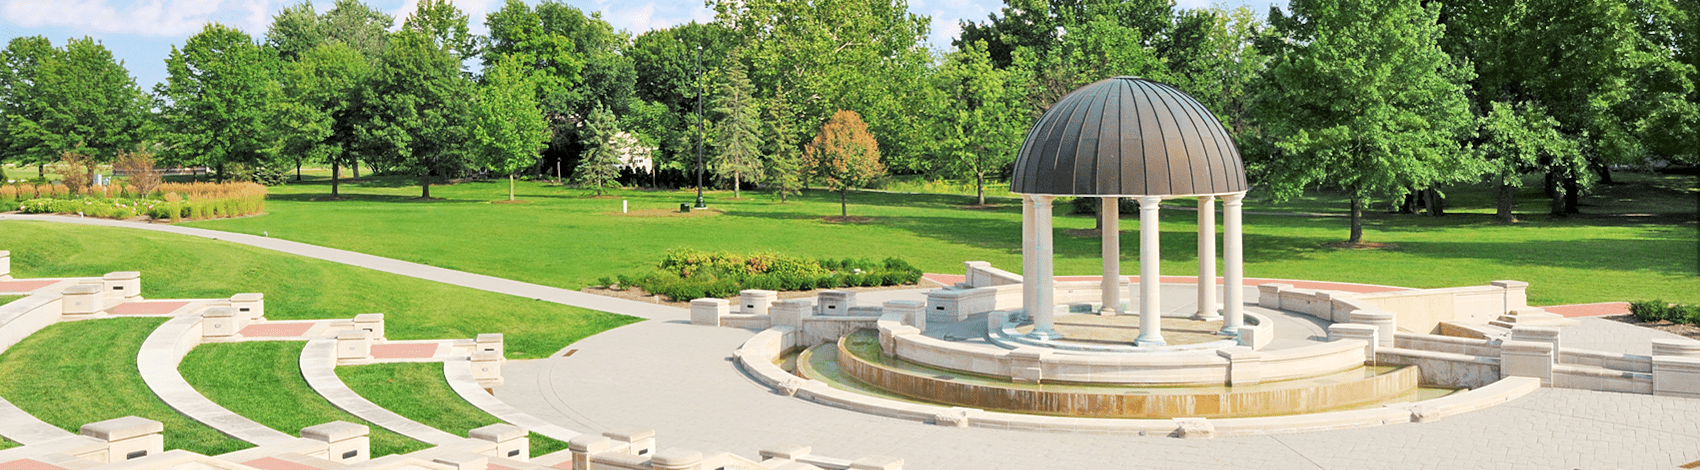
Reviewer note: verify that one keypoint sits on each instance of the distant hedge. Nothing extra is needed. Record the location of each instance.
(685, 274)
(171, 201)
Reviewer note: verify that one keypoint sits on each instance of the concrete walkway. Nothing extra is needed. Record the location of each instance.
(318, 366)
(157, 362)
(458, 373)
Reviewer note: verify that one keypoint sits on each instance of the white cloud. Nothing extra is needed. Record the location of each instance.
(475, 11)
(146, 18)
(642, 18)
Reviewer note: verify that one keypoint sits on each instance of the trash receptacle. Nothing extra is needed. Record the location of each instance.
(684, 207)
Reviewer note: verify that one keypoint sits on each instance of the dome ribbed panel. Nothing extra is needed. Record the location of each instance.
(1128, 137)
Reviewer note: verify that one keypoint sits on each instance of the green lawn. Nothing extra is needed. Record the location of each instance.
(262, 381)
(176, 266)
(419, 392)
(563, 237)
(75, 373)
(7, 444)
(6, 299)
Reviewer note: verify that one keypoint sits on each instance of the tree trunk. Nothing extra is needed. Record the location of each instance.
(425, 185)
(1555, 197)
(355, 165)
(1572, 196)
(843, 207)
(1507, 203)
(298, 170)
(1357, 221)
(980, 187)
(1605, 173)
(736, 183)
(220, 177)
(336, 171)
(510, 186)
(1434, 202)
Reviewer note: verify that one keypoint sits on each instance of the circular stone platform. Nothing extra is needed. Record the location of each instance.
(1094, 329)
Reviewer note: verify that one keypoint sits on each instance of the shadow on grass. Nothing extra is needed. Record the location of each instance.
(354, 197)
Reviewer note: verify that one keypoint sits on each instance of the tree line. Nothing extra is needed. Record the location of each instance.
(1384, 100)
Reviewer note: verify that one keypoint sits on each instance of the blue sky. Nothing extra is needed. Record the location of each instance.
(141, 32)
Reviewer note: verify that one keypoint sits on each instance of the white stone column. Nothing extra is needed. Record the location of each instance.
(1150, 300)
(1207, 259)
(1233, 283)
(1111, 215)
(1029, 252)
(1045, 308)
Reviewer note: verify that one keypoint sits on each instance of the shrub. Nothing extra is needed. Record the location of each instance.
(8, 193)
(1649, 310)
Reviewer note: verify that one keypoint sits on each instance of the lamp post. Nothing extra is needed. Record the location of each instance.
(700, 204)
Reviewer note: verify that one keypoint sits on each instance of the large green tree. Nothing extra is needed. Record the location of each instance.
(1360, 97)
(509, 125)
(600, 165)
(666, 66)
(321, 87)
(737, 150)
(580, 58)
(222, 97)
(784, 169)
(415, 110)
(83, 99)
(20, 68)
(983, 116)
(1518, 139)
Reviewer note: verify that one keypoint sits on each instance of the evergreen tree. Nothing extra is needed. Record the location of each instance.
(599, 166)
(784, 169)
(738, 148)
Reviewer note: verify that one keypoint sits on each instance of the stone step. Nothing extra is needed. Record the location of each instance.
(1474, 330)
(1532, 316)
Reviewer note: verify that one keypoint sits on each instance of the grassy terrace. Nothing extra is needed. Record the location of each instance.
(418, 392)
(6, 299)
(1636, 243)
(176, 266)
(262, 382)
(74, 373)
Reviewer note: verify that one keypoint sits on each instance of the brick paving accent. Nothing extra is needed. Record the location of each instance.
(1589, 310)
(404, 351)
(276, 329)
(27, 464)
(270, 463)
(146, 308)
(9, 287)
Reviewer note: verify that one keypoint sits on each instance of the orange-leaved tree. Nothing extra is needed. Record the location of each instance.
(844, 154)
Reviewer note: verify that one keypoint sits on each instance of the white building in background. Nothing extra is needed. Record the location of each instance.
(634, 156)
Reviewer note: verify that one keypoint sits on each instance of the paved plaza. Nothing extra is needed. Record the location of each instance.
(680, 380)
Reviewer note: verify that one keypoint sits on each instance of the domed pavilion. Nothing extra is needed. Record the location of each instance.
(1134, 138)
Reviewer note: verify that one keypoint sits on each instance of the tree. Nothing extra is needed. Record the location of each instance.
(221, 91)
(358, 25)
(445, 26)
(666, 64)
(600, 163)
(579, 59)
(137, 166)
(20, 66)
(983, 116)
(845, 155)
(321, 87)
(295, 30)
(509, 125)
(85, 99)
(738, 150)
(784, 164)
(1359, 96)
(415, 109)
(1516, 139)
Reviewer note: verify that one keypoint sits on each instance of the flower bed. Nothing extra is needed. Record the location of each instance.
(692, 274)
(175, 202)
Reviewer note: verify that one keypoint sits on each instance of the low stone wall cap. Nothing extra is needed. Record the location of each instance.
(463, 460)
(248, 297)
(4, 253)
(786, 451)
(1509, 284)
(82, 289)
(905, 303)
(354, 334)
(118, 429)
(630, 434)
(877, 462)
(335, 431)
(218, 312)
(123, 275)
(676, 458)
(709, 302)
(489, 337)
(499, 432)
(589, 443)
(759, 292)
(369, 317)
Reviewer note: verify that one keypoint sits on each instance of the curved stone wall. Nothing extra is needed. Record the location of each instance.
(1210, 403)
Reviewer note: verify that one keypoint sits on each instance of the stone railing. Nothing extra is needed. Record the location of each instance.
(982, 274)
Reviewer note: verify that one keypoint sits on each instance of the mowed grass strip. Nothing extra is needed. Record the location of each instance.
(418, 391)
(179, 266)
(566, 238)
(262, 381)
(6, 299)
(74, 373)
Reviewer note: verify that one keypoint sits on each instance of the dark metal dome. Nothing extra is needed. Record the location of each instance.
(1128, 136)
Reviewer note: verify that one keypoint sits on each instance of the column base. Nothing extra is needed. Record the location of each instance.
(1108, 312)
(1208, 315)
(1044, 335)
(1227, 332)
(1147, 342)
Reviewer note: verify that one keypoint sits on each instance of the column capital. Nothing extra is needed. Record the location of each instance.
(1041, 201)
(1233, 199)
(1204, 199)
(1149, 202)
